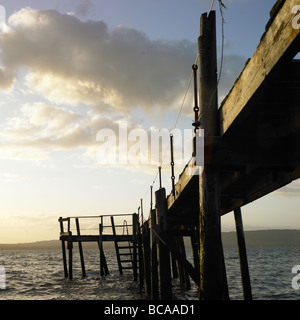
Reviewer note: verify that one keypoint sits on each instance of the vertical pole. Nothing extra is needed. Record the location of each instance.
(70, 248)
(174, 267)
(160, 181)
(172, 165)
(180, 268)
(242, 254)
(211, 263)
(63, 248)
(134, 243)
(154, 271)
(151, 196)
(146, 247)
(196, 123)
(140, 252)
(142, 212)
(164, 254)
(100, 245)
(80, 249)
(195, 247)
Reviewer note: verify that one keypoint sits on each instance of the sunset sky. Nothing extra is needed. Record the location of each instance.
(71, 68)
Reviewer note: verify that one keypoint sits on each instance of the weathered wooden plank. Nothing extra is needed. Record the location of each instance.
(95, 238)
(116, 244)
(274, 44)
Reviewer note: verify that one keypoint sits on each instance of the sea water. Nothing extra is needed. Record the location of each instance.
(38, 275)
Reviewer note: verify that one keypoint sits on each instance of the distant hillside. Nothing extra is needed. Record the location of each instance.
(262, 238)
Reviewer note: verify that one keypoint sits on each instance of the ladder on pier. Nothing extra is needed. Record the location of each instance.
(126, 250)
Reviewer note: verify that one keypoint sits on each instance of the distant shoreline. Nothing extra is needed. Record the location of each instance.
(257, 238)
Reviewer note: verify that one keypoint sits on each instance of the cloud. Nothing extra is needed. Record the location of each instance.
(84, 7)
(72, 61)
(291, 190)
(41, 128)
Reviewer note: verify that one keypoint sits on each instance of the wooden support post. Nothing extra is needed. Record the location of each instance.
(80, 249)
(169, 243)
(186, 280)
(242, 254)
(146, 251)
(116, 244)
(141, 258)
(154, 263)
(100, 245)
(159, 174)
(164, 254)
(63, 248)
(195, 247)
(70, 248)
(134, 244)
(172, 165)
(174, 267)
(180, 267)
(211, 264)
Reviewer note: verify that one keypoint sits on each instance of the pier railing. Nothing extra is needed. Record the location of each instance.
(118, 228)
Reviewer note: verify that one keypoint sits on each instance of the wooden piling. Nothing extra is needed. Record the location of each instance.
(70, 248)
(140, 254)
(134, 244)
(174, 267)
(146, 256)
(211, 271)
(195, 247)
(164, 254)
(242, 255)
(154, 263)
(63, 248)
(80, 249)
(185, 280)
(100, 245)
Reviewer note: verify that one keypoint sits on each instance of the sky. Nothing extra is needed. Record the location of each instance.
(71, 68)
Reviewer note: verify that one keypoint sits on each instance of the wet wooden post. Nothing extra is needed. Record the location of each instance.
(63, 247)
(140, 253)
(185, 277)
(100, 245)
(211, 270)
(134, 243)
(195, 247)
(154, 263)
(174, 267)
(242, 254)
(70, 248)
(146, 252)
(164, 254)
(80, 249)
(180, 268)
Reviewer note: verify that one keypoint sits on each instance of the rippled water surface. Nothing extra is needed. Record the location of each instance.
(39, 275)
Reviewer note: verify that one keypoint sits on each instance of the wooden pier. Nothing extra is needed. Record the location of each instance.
(251, 148)
(124, 237)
